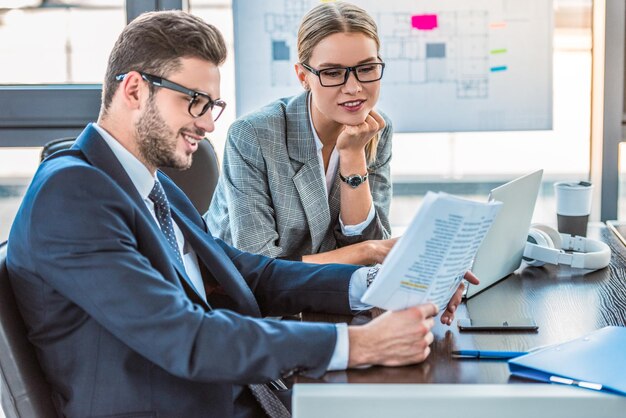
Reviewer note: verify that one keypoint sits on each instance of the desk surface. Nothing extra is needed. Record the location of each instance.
(564, 303)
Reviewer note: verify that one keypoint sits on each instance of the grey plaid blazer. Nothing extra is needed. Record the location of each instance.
(271, 198)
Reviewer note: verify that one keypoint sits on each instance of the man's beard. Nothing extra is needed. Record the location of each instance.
(156, 142)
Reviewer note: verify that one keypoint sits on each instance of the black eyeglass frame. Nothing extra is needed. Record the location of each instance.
(347, 75)
(193, 94)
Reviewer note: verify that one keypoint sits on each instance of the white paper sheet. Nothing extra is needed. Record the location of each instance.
(429, 261)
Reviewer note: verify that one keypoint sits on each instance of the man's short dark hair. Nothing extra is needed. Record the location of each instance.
(154, 43)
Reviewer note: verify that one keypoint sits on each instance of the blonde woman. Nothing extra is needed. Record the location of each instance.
(307, 177)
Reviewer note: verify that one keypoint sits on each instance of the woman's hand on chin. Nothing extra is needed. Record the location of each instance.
(355, 137)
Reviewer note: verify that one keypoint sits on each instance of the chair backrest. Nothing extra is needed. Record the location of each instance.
(25, 392)
(54, 146)
(198, 182)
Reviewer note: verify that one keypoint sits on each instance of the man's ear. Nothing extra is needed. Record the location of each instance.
(132, 89)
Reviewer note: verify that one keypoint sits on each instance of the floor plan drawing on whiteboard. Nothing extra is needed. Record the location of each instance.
(488, 62)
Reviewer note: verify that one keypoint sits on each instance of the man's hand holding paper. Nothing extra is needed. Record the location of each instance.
(394, 338)
(448, 315)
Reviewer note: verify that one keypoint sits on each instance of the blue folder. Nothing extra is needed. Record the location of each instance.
(594, 361)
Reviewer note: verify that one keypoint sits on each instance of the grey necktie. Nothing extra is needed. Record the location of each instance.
(164, 217)
(270, 403)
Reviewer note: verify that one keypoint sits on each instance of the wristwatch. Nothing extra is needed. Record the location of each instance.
(354, 180)
(371, 275)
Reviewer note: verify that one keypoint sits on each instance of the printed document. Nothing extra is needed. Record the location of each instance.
(428, 262)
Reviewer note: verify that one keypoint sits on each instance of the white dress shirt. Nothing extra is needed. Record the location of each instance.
(329, 175)
(143, 181)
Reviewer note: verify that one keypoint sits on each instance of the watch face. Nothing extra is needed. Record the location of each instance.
(355, 181)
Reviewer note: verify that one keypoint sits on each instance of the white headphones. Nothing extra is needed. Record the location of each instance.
(545, 245)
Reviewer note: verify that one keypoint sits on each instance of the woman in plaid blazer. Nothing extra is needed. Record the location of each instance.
(308, 177)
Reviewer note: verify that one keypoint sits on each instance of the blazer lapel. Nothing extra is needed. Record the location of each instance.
(98, 153)
(214, 258)
(334, 199)
(308, 179)
(186, 282)
(329, 242)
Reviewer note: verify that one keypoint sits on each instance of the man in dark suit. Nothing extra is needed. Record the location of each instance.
(135, 310)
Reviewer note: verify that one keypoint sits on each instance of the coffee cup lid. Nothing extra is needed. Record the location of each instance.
(573, 185)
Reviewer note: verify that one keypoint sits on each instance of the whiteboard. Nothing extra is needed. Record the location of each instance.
(451, 65)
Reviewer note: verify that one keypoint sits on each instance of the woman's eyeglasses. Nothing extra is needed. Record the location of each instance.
(338, 76)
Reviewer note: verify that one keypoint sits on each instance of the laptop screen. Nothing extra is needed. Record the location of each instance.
(500, 254)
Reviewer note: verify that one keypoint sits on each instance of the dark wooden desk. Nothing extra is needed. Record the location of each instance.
(564, 303)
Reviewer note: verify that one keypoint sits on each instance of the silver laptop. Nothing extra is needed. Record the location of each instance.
(500, 253)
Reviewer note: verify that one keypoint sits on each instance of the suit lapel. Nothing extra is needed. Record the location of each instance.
(98, 153)
(308, 179)
(186, 282)
(214, 259)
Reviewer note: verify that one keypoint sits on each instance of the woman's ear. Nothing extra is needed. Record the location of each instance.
(302, 73)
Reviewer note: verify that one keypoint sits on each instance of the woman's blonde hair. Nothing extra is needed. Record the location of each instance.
(337, 17)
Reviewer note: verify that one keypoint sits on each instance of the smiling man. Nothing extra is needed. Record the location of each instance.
(134, 309)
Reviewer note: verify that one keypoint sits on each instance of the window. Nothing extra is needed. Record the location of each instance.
(57, 41)
(78, 36)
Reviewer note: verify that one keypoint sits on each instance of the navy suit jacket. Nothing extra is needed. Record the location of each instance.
(118, 327)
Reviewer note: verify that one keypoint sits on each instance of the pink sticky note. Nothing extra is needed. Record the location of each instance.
(424, 22)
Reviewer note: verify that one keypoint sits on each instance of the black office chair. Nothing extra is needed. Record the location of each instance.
(25, 391)
(54, 146)
(198, 182)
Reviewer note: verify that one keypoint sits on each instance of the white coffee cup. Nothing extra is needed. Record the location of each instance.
(573, 205)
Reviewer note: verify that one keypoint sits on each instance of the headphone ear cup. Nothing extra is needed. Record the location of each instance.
(540, 238)
(552, 233)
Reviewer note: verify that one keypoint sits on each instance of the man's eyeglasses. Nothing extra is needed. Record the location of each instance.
(199, 103)
(364, 73)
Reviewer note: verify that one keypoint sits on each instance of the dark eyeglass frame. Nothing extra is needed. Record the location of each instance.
(349, 70)
(193, 94)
